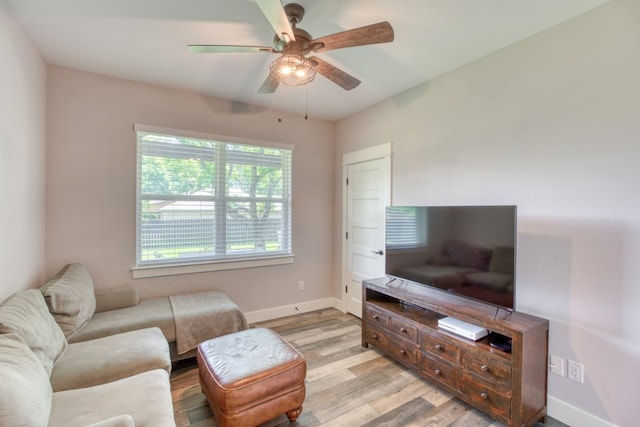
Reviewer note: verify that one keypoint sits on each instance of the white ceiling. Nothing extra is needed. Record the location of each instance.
(146, 41)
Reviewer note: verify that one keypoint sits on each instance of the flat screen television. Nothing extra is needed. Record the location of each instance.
(466, 250)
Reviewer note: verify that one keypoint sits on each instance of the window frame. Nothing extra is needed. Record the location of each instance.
(202, 264)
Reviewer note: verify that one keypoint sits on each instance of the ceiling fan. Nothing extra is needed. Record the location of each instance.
(293, 67)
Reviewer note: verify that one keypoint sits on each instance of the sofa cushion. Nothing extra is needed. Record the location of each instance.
(25, 391)
(147, 314)
(146, 397)
(111, 358)
(25, 313)
(124, 420)
(69, 295)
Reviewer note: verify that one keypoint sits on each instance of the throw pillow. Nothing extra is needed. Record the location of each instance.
(25, 314)
(70, 297)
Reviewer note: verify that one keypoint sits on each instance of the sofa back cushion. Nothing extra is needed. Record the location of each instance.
(25, 314)
(25, 391)
(116, 298)
(70, 297)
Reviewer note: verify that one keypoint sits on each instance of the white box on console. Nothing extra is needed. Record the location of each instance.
(458, 327)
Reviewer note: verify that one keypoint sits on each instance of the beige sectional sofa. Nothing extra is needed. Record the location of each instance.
(72, 357)
(120, 310)
(122, 380)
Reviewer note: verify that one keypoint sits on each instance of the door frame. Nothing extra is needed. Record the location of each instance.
(382, 151)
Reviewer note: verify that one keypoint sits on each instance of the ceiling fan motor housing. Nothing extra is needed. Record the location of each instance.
(300, 44)
(295, 12)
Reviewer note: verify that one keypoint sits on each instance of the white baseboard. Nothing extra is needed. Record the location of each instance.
(572, 415)
(289, 310)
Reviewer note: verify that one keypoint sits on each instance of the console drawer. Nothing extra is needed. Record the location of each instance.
(438, 344)
(403, 351)
(440, 370)
(486, 397)
(376, 336)
(405, 328)
(376, 316)
(488, 368)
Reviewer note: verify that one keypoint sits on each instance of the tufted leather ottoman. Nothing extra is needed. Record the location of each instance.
(251, 376)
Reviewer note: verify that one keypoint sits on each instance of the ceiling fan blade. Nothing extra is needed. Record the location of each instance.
(336, 75)
(216, 48)
(277, 17)
(269, 85)
(382, 32)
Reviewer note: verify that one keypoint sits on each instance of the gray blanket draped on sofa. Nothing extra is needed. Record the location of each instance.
(204, 315)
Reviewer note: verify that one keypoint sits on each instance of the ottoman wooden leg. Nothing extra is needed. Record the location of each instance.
(294, 414)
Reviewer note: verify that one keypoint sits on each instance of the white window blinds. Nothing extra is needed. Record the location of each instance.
(201, 200)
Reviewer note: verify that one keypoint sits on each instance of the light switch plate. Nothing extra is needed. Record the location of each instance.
(556, 365)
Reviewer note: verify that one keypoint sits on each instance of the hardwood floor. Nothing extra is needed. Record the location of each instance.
(347, 385)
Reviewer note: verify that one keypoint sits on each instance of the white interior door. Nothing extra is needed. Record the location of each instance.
(367, 189)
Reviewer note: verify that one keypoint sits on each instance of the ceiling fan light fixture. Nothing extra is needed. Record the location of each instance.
(293, 70)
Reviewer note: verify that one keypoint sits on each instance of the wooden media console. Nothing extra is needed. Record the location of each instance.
(401, 317)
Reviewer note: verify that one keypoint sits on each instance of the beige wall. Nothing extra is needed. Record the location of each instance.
(91, 177)
(22, 158)
(550, 124)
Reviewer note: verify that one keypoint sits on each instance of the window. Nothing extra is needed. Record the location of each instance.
(202, 199)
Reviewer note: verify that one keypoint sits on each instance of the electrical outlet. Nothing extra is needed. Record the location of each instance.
(556, 365)
(301, 285)
(575, 371)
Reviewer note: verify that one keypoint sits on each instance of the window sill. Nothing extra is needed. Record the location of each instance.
(203, 267)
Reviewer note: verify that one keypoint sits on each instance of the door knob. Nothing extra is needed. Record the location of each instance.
(378, 252)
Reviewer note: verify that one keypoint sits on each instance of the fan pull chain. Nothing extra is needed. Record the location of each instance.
(306, 102)
(279, 103)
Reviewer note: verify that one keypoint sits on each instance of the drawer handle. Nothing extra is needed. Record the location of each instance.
(403, 351)
(439, 347)
(484, 395)
(403, 330)
(437, 372)
(484, 368)
(376, 317)
(375, 336)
